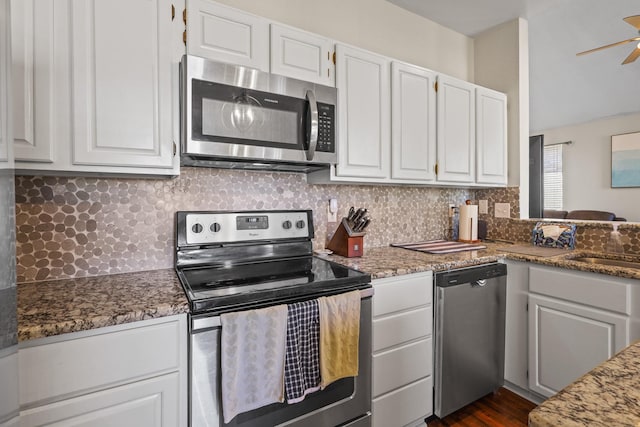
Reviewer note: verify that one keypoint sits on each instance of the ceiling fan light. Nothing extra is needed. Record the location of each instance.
(638, 45)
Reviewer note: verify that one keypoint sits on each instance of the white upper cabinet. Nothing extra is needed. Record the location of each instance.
(456, 130)
(413, 123)
(96, 85)
(226, 34)
(491, 136)
(122, 83)
(33, 65)
(362, 79)
(302, 55)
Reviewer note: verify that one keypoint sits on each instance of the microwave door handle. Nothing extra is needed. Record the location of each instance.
(313, 131)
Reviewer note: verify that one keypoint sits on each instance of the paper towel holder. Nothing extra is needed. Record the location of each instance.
(467, 229)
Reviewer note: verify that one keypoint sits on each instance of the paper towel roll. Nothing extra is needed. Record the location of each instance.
(468, 228)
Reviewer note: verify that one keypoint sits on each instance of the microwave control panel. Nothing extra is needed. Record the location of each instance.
(326, 128)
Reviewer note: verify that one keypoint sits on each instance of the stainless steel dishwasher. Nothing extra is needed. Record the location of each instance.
(469, 335)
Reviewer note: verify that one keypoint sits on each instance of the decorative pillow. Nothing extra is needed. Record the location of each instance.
(554, 235)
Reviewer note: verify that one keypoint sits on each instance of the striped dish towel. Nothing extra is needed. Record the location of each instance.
(302, 357)
(439, 246)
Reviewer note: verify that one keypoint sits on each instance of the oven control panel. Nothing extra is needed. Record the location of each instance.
(201, 228)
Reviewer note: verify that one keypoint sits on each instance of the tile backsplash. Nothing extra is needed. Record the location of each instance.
(81, 226)
(87, 226)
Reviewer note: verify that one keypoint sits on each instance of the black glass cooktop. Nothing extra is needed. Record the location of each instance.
(224, 288)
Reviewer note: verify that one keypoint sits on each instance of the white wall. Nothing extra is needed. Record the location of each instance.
(375, 25)
(502, 63)
(587, 166)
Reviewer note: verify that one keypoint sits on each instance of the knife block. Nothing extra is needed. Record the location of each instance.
(346, 242)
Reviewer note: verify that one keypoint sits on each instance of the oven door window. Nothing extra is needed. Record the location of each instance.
(223, 113)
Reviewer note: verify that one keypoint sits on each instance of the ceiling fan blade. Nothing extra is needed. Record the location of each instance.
(633, 20)
(608, 46)
(632, 56)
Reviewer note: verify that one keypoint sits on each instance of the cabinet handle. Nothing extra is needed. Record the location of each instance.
(184, 37)
(184, 16)
(173, 12)
(435, 168)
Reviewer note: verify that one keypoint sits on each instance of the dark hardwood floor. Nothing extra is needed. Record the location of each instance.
(502, 408)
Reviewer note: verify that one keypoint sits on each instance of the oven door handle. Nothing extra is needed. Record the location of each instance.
(214, 322)
(313, 131)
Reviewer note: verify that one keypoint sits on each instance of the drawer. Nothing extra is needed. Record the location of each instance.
(402, 292)
(405, 405)
(82, 362)
(148, 403)
(396, 368)
(397, 328)
(596, 290)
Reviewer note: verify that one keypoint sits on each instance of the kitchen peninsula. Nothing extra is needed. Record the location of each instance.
(609, 395)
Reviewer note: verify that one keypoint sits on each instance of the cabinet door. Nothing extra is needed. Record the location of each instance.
(9, 383)
(227, 35)
(33, 72)
(456, 133)
(568, 340)
(413, 123)
(302, 55)
(362, 79)
(122, 92)
(491, 136)
(149, 403)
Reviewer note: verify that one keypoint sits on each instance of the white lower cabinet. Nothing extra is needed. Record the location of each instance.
(148, 403)
(402, 350)
(516, 343)
(126, 375)
(577, 320)
(8, 386)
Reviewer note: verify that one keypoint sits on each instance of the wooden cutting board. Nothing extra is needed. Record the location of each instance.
(534, 250)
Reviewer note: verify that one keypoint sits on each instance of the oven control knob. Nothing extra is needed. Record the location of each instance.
(300, 224)
(215, 227)
(286, 225)
(197, 228)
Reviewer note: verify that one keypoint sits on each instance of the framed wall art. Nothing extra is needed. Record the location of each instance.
(625, 160)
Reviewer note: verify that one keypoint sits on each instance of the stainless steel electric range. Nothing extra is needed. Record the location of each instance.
(234, 261)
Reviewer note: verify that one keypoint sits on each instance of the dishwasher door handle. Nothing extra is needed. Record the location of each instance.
(480, 282)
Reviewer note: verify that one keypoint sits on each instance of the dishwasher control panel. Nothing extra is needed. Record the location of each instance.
(470, 274)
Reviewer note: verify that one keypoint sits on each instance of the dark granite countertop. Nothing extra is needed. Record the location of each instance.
(390, 261)
(60, 306)
(607, 396)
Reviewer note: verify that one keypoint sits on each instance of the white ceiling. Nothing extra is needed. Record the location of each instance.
(564, 89)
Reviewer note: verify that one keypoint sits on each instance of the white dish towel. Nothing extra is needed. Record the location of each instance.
(252, 360)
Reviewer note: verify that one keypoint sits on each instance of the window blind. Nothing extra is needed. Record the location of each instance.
(552, 172)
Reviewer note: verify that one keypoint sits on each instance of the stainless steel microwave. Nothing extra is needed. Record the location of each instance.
(239, 117)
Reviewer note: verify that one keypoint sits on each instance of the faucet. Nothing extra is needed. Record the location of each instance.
(614, 244)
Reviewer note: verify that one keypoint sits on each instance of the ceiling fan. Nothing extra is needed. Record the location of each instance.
(635, 54)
